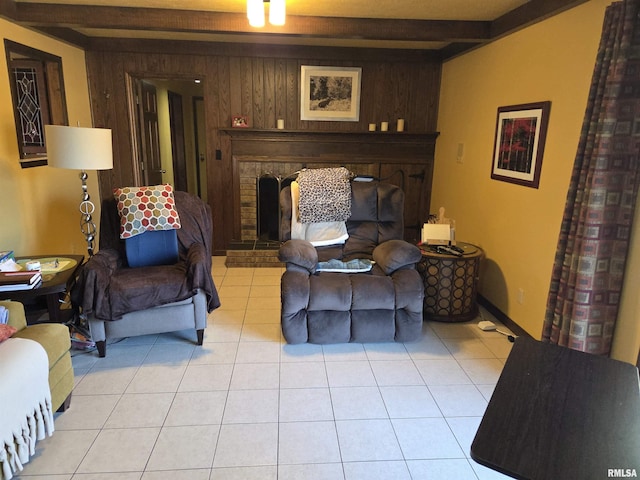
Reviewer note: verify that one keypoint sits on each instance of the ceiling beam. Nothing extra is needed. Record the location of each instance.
(529, 13)
(187, 47)
(157, 19)
(64, 22)
(8, 9)
(66, 34)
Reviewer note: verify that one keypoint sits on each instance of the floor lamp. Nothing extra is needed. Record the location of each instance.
(81, 149)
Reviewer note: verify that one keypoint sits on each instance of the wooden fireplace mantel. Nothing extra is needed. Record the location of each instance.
(402, 158)
(323, 146)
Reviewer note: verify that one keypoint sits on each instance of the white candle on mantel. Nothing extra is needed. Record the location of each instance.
(384, 126)
(372, 127)
(280, 124)
(400, 127)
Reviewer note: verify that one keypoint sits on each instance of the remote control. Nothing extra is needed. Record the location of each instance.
(450, 250)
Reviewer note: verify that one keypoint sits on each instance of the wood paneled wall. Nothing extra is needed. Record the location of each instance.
(257, 81)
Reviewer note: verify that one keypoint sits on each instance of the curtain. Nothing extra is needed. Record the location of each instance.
(588, 270)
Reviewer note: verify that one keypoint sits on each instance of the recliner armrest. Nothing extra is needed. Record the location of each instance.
(393, 255)
(107, 259)
(300, 253)
(91, 286)
(196, 254)
(198, 264)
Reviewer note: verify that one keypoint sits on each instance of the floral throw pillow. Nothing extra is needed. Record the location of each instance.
(6, 331)
(144, 209)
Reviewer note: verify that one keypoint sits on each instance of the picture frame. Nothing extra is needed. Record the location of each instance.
(521, 132)
(330, 93)
(240, 121)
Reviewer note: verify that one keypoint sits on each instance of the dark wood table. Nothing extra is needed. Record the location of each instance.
(561, 414)
(53, 286)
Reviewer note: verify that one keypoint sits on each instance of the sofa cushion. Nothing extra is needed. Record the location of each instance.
(370, 326)
(330, 291)
(6, 331)
(145, 287)
(372, 292)
(328, 326)
(54, 338)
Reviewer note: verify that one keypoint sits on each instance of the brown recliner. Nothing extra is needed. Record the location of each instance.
(123, 301)
(384, 304)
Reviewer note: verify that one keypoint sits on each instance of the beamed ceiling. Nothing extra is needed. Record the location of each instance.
(446, 27)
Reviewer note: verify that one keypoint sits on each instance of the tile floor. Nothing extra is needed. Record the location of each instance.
(248, 406)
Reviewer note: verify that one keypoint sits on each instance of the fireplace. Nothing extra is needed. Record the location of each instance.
(404, 159)
(260, 185)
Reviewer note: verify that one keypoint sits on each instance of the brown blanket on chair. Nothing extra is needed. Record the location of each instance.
(108, 288)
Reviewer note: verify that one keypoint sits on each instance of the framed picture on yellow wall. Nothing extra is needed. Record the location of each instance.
(521, 132)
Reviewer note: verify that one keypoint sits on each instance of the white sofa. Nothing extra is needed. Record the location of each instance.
(26, 414)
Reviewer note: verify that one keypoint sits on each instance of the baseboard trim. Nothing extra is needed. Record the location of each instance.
(499, 315)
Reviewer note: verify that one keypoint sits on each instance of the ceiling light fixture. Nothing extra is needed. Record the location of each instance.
(255, 12)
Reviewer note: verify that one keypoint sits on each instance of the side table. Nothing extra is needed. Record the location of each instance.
(53, 284)
(561, 414)
(451, 283)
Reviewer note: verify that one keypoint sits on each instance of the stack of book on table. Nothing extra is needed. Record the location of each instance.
(20, 280)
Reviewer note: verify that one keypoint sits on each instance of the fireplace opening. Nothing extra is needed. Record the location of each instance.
(268, 204)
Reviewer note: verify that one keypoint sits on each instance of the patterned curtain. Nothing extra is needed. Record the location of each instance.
(588, 272)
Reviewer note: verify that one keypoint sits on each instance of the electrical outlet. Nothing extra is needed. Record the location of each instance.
(521, 296)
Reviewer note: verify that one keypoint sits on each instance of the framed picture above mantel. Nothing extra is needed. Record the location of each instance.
(521, 131)
(330, 93)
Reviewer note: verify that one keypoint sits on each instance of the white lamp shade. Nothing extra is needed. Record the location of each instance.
(277, 12)
(255, 13)
(79, 148)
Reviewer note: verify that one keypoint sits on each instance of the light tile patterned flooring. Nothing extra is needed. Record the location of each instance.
(248, 406)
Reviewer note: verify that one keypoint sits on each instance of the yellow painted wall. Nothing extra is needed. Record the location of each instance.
(39, 206)
(517, 226)
(164, 134)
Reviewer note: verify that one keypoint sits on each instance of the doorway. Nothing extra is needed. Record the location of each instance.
(166, 144)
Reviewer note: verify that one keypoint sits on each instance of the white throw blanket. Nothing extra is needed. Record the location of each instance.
(352, 266)
(25, 415)
(320, 233)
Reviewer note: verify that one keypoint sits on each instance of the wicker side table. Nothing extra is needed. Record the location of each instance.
(451, 284)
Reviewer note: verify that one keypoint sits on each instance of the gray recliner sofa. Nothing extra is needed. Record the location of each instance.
(384, 304)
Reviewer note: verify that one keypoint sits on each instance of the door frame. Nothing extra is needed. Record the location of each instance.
(178, 148)
(133, 113)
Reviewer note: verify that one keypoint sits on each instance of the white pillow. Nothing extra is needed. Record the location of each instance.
(320, 233)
